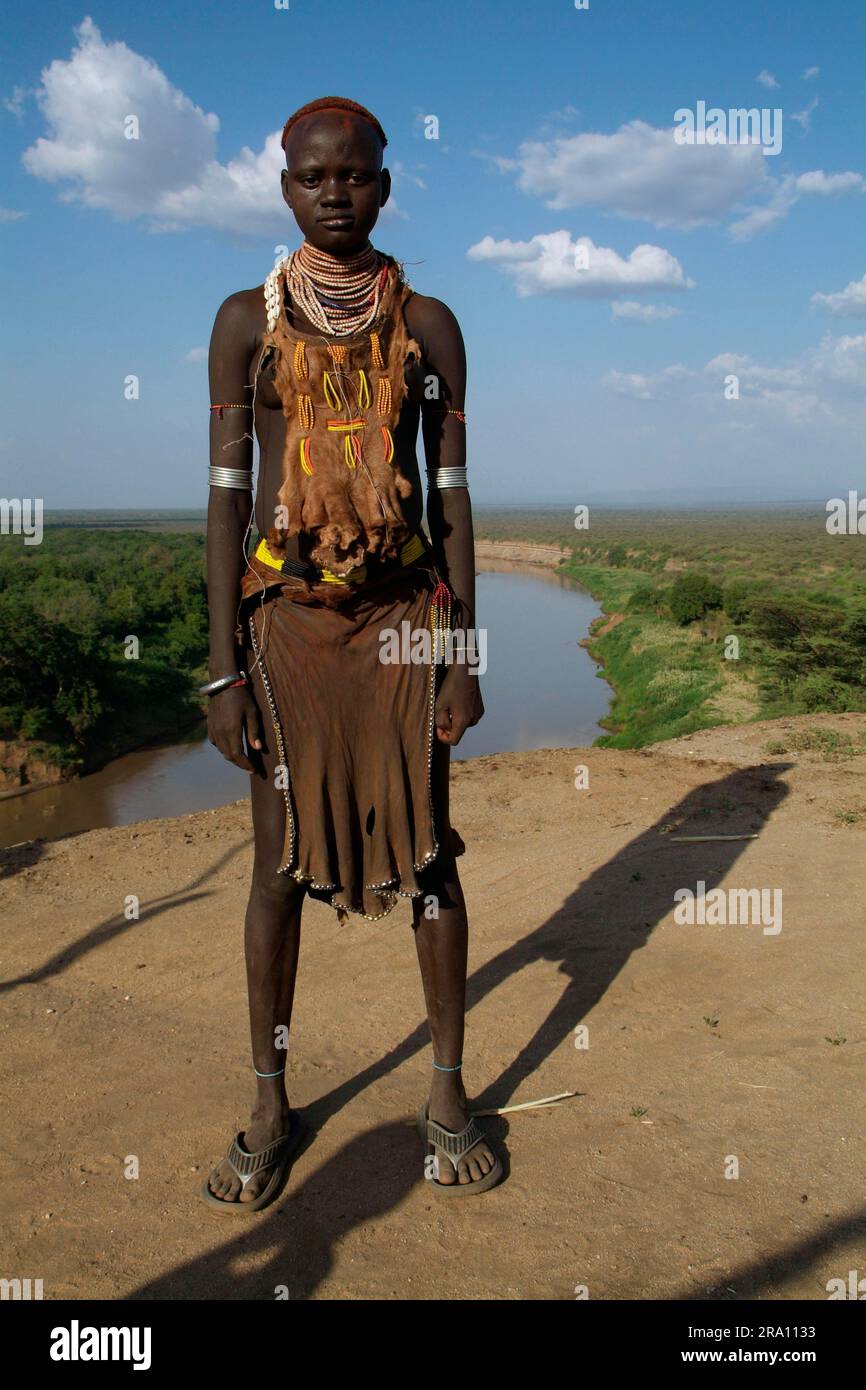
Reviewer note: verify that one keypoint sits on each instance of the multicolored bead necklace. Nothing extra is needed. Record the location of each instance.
(340, 295)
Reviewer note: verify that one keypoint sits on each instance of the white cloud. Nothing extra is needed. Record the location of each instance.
(753, 372)
(816, 181)
(640, 171)
(169, 175)
(196, 354)
(811, 399)
(727, 362)
(85, 101)
(804, 117)
(644, 172)
(766, 79)
(788, 191)
(843, 360)
(551, 263)
(15, 103)
(642, 313)
(646, 387)
(825, 383)
(761, 218)
(400, 171)
(851, 300)
(554, 122)
(11, 215)
(810, 73)
(241, 196)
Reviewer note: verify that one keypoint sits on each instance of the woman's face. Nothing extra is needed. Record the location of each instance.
(334, 182)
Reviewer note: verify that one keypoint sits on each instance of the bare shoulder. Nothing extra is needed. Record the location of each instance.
(432, 322)
(242, 316)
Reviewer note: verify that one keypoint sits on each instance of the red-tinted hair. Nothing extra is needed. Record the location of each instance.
(331, 104)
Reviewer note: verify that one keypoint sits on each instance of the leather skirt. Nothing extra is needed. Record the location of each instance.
(363, 775)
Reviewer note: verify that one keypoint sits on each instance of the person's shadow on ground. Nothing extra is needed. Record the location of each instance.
(592, 935)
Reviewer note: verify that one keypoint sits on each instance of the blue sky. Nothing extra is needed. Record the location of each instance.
(556, 131)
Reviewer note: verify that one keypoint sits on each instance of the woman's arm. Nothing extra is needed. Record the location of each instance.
(231, 712)
(449, 511)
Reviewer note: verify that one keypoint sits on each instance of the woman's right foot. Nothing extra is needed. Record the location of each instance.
(265, 1127)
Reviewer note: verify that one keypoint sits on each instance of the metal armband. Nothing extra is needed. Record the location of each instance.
(441, 478)
(230, 477)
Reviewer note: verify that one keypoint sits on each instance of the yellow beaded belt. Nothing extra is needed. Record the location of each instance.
(410, 551)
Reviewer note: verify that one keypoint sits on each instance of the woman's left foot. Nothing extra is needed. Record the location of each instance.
(447, 1107)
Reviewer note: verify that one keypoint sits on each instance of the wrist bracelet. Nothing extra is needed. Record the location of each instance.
(223, 683)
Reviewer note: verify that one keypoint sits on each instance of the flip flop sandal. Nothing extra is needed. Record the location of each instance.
(457, 1146)
(276, 1155)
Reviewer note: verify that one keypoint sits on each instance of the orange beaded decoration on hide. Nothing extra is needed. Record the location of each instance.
(341, 489)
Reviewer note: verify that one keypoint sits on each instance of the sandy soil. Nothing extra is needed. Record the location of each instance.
(127, 1039)
(518, 552)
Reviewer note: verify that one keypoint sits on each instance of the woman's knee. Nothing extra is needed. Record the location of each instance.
(271, 887)
(440, 888)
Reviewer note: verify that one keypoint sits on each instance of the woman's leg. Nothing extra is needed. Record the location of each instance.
(271, 941)
(441, 942)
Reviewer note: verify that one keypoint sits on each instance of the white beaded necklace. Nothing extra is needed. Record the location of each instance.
(341, 296)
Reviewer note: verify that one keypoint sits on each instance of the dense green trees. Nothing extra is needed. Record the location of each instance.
(70, 678)
(792, 595)
(691, 596)
(813, 655)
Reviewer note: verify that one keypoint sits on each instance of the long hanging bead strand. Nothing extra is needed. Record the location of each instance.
(440, 620)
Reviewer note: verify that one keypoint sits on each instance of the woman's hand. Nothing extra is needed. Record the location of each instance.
(231, 714)
(458, 705)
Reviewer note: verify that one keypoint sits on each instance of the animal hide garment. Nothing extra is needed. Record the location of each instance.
(342, 488)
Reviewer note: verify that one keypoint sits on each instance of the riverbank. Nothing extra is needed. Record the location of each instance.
(713, 616)
(780, 629)
(518, 553)
(552, 698)
(668, 680)
(665, 682)
(27, 765)
(702, 1043)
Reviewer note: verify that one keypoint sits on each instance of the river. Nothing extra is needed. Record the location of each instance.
(540, 690)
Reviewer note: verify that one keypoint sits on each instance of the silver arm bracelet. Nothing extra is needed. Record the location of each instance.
(230, 477)
(447, 477)
(223, 683)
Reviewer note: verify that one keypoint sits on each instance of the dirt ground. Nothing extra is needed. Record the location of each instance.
(128, 1040)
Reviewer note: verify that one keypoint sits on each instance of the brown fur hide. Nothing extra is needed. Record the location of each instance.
(344, 514)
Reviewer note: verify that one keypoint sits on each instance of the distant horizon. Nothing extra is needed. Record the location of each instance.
(606, 501)
(639, 311)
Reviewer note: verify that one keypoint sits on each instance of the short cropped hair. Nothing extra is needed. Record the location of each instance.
(338, 104)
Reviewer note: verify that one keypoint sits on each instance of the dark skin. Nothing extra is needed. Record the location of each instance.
(335, 186)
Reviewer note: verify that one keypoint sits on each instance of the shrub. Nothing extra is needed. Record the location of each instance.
(643, 599)
(737, 599)
(692, 595)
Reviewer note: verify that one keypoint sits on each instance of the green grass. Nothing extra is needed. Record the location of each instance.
(833, 745)
(662, 680)
(793, 597)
